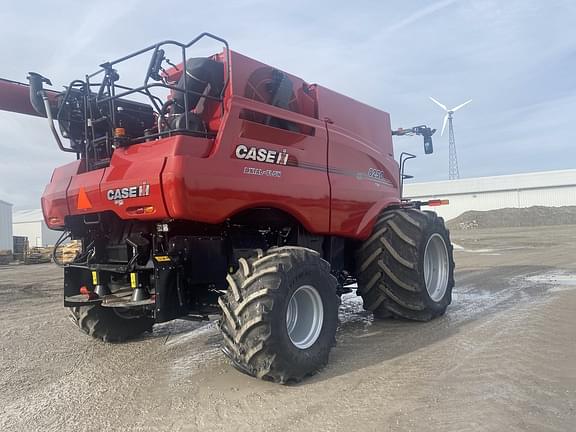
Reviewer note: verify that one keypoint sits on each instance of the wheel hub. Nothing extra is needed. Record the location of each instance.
(436, 267)
(304, 317)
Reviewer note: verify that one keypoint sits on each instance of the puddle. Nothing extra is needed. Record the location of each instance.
(560, 281)
(472, 295)
(182, 331)
(191, 362)
(494, 252)
(352, 315)
(205, 328)
(482, 251)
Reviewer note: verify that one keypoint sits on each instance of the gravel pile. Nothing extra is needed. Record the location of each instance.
(514, 217)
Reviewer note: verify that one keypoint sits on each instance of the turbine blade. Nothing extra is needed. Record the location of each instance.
(444, 124)
(438, 103)
(460, 106)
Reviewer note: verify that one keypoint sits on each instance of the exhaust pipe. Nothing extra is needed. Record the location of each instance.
(40, 100)
(37, 91)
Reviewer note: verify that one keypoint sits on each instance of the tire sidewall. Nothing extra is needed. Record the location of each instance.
(434, 226)
(316, 355)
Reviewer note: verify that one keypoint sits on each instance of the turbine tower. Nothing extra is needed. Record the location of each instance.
(453, 172)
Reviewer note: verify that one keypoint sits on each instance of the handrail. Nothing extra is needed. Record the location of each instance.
(48, 109)
(106, 94)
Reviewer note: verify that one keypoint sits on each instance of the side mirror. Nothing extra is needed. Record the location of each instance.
(428, 147)
(423, 130)
(156, 65)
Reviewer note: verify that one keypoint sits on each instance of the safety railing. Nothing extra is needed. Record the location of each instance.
(105, 93)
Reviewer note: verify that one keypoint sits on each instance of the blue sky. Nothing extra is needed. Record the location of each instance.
(516, 59)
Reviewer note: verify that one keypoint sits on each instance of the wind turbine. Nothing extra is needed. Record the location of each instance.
(453, 172)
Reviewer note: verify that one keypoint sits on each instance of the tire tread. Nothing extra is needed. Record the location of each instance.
(390, 278)
(246, 324)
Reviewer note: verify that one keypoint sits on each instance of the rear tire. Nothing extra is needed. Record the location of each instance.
(280, 314)
(109, 324)
(406, 267)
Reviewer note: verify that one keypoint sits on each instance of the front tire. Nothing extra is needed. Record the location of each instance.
(406, 267)
(280, 314)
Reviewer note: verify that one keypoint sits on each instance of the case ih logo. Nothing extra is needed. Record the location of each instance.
(121, 194)
(262, 155)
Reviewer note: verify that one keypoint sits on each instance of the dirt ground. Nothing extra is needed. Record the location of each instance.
(514, 217)
(503, 358)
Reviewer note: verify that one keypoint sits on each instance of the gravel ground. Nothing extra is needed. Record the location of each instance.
(502, 358)
(535, 216)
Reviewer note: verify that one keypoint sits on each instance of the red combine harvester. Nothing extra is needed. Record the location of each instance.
(246, 192)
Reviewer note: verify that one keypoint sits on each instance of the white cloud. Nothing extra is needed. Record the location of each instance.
(420, 14)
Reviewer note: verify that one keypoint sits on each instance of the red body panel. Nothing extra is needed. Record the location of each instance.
(218, 187)
(54, 201)
(363, 173)
(339, 173)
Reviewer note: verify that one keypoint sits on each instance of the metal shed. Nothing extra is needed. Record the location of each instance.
(30, 223)
(5, 226)
(547, 188)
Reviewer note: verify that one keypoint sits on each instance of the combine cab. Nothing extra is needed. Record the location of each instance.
(245, 191)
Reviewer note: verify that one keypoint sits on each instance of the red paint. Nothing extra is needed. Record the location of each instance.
(326, 184)
(436, 203)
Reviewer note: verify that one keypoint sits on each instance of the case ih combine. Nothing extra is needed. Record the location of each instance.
(246, 191)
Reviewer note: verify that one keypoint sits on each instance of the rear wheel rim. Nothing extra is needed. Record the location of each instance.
(304, 316)
(436, 267)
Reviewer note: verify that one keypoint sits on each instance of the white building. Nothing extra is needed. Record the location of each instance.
(30, 223)
(5, 226)
(549, 188)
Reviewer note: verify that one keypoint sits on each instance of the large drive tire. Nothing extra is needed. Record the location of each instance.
(280, 314)
(110, 325)
(406, 267)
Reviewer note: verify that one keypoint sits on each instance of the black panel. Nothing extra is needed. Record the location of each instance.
(169, 304)
(203, 258)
